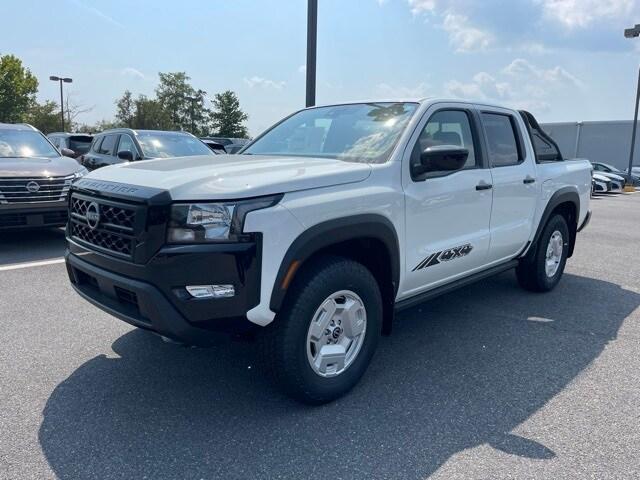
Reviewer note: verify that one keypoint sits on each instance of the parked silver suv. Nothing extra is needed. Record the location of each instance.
(34, 179)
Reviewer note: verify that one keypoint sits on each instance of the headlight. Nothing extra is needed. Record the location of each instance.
(212, 222)
(80, 173)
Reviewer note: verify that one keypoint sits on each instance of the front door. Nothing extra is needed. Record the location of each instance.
(447, 213)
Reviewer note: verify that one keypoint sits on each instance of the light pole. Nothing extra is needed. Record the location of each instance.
(312, 35)
(633, 33)
(65, 80)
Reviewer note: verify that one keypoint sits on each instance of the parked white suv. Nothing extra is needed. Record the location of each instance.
(326, 225)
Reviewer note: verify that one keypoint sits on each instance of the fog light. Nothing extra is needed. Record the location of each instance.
(211, 291)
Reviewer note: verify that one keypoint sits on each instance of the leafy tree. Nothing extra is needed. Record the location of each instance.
(44, 116)
(228, 119)
(184, 104)
(125, 109)
(18, 89)
(150, 114)
(100, 126)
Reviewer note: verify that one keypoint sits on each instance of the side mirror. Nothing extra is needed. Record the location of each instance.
(67, 152)
(125, 155)
(443, 158)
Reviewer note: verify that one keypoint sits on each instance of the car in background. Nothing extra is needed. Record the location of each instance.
(126, 145)
(635, 171)
(35, 178)
(78, 143)
(215, 147)
(606, 168)
(600, 183)
(230, 144)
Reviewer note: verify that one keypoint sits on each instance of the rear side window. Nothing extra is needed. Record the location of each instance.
(108, 145)
(502, 140)
(95, 146)
(545, 150)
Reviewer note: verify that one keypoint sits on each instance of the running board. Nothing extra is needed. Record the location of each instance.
(463, 282)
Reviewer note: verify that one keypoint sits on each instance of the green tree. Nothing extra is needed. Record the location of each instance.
(228, 119)
(184, 104)
(44, 116)
(125, 109)
(150, 114)
(18, 88)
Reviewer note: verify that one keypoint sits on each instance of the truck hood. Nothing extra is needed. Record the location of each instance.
(233, 176)
(38, 167)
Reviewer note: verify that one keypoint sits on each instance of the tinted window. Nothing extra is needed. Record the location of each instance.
(25, 144)
(108, 145)
(79, 144)
(501, 139)
(446, 127)
(365, 132)
(126, 145)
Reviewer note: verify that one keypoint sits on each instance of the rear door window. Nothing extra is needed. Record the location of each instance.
(502, 140)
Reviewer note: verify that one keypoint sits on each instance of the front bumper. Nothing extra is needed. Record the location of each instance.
(152, 295)
(19, 216)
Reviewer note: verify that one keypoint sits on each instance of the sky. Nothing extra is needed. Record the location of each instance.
(564, 60)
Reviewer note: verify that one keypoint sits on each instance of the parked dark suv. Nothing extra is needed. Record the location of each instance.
(126, 145)
(34, 179)
(78, 143)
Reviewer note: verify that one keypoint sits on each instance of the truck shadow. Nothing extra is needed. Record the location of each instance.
(31, 245)
(458, 372)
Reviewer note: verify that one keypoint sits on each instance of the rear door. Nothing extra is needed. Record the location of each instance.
(515, 186)
(447, 213)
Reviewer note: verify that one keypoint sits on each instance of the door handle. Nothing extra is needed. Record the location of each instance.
(484, 186)
(527, 180)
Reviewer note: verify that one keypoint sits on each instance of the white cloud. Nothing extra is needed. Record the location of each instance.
(422, 6)
(132, 72)
(556, 75)
(256, 81)
(520, 84)
(463, 36)
(97, 13)
(582, 13)
(390, 91)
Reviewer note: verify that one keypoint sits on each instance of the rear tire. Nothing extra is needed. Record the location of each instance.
(542, 269)
(333, 302)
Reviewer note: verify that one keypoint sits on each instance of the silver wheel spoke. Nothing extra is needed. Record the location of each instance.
(331, 359)
(353, 321)
(322, 318)
(554, 254)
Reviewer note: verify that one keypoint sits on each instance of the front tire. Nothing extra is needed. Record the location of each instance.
(542, 269)
(322, 341)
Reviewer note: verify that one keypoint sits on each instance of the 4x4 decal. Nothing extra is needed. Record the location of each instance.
(444, 256)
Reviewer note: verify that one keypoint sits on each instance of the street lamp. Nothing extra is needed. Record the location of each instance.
(633, 33)
(65, 80)
(312, 35)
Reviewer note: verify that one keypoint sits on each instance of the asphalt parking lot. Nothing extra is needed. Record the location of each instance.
(487, 382)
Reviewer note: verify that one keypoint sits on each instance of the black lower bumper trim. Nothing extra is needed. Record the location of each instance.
(142, 304)
(586, 221)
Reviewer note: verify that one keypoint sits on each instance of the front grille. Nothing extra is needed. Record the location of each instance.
(34, 190)
(33, 219)
(116, 229)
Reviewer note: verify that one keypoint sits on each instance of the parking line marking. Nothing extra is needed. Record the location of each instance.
(17, 266)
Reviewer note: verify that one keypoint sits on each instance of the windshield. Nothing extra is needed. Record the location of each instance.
(165, 145)
(25, 144)
(365, 132)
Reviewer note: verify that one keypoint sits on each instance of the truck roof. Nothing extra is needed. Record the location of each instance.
(421, 101)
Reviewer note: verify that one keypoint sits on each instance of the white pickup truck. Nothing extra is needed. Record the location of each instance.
(325, 226)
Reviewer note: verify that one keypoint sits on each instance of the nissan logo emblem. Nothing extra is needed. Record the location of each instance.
(33, 187)
(93, 215)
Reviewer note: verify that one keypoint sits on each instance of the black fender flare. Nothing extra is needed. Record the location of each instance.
(564, 195)
(333, 232)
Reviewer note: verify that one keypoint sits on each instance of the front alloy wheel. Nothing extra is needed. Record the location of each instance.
(336, 333)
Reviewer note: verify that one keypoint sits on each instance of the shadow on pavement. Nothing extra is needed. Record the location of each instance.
(458, 372)
(31, 245)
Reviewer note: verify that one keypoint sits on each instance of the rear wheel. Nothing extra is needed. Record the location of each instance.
(542, 269)
(321, 343)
